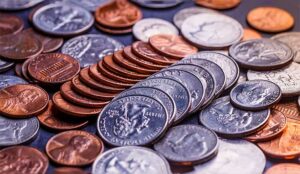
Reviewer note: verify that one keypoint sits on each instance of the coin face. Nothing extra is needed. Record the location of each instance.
(255, 95)
(74, 148)
(18, 4)
(145, 161)
(7, 80)
(261, 54)
(91, 48)
(286, 78)
(270, 19)
(218, 4)
(212, 30)
(250, 34)
(62, 19)
(284, 168)
(10, 24)
(156, 4)
(148, 27)
(67, 170)
(90, 5)
(226, 120)
(188, 144)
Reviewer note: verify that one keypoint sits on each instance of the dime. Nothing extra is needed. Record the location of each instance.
(226, 120)
(7, 80)
(91, 48)
(270, 19)
(158, 4)
(284, 168)
(90, 5)
(250, 34)
(188, 145)
(18, 4)
(148, 27)
(68, 170)
(286, 78)
(10, 24)
(255, 95)
(132, 120)
(212, 30)
(21, 101)
(261, 54)
(134, 160)
(16, 159)
(82, 146)
(62, 19)
(218, 4)
(5, 65)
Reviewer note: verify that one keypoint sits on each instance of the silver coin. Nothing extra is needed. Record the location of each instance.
(148, 27)
(91, 48)
(287, 78)
(18, 4)
(255, 95)
(225, 119)
(234, 157)
(212, 30)
(5, 65)
(17, 131)
(188, 145)
(292, 39)
(130, 160)
(158, 3)
(7, 80)
(242, 77)
(261, 54)
(132, 120)
(62, 19)
(90, 5)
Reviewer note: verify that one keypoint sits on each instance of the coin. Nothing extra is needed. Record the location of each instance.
(228, 121)
(25, 73)
(91, 48)
(250, 34)
(158, 4)
(261, 54)
(178, 92)
(68, 170)
(8, 80)
(132, 120)
(82, 146)
(242, 77)
(113, 30)
(218, 4)
(276, 125)
(90, 5)
(188, 145)
(140, 156)
(16, 159)
(284, 168)
(212, 30)
(10, 24)
(18, 4)
(255, 95)
(61, 19)
(270, 19)
(18, 70)
(53, 68)
(148, 27)
(5, 65)
(286, 78)
(21, 101)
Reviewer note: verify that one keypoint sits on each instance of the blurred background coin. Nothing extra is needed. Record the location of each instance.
(218, 4)
(8, 80)
(158, 4)
(18, 4)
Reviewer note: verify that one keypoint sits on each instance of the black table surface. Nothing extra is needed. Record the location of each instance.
(239, 13)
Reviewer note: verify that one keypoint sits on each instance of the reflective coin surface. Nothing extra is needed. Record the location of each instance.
(250, 34)
(7, 80)
(90, 5)
(226, 120)
(243, 77)
(10, 24)
(158, 4)
(18, 4)
(218, 4)
(284, 168)
(5, 65)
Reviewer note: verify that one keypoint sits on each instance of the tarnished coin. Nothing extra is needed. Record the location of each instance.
(10, 24)
(229, 121)
(62, 19)
(68, 170)
(148, 27)
(74, 148)
(287, 78)
(18, 4)
(5, 65)
(133, 159)
(261, 54)
(132, 120)
(284, 168)
(158, 4)
(18, 70)
(270, 19)
(20, 101)
(255, 95)
(188, 145)
(91, 48)
(90, 5)
(250, 34)
(23, 160)
(212, 30)
(218, 4)
(7, 80)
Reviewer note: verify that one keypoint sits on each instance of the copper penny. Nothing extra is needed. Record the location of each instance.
(25, 72)
(31, 13)
(113, 30)
(118, 14)
(218, 4)
(18, 70)
(53, 68)
(22, 160)
(270, 19)
(250, 34)
(10, 24)
(276, 125)
(172, 45)
(69, 94)
(284, 168)
(68, 170)
(53, 119)
(20, 101)
(74, 148)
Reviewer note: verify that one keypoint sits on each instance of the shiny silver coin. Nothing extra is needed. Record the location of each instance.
(17, 131)
(255, 95)
(242, 77)
(62, 19)
(7, 80)
(5, 65)
(91, 48)
(130, 160)
(148, 27)
(261, 54)
(212, 30)
(287, 78)
(234, 157)
(18, 4)
(158, 3)
(90, 5)
(132, 120)
(225, 119)
(188, 145)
